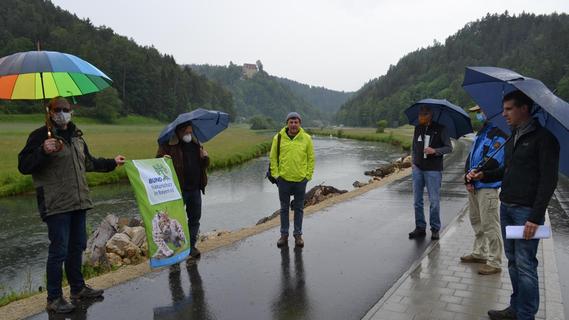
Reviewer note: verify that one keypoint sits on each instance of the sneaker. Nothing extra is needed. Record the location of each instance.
(87, 292)
(59, 305)
(471, 259)
(487, 270)
(506, 314)
(282, 242)
(417, 233)
(298, 241)
(435, 235)
(195, 253)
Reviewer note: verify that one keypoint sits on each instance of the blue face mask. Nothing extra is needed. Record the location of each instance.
(481, 117)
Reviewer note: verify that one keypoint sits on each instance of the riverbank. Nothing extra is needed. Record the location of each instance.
(134, 137)
(34, 304)
(401, 136)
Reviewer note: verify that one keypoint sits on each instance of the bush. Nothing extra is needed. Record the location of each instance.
(107, 105)
(381, 125)
(261, 123)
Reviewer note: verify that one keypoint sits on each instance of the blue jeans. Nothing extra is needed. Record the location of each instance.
(297, 190)
(431, 179)
(67, 241)
(193, 202)
(522, 262)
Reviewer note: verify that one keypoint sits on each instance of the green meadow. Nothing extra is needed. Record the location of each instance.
(133, 137)
(401, 136)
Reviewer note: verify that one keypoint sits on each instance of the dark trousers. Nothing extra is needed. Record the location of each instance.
(522, 262)
(68, 240)
(286, 190)
(193, 202)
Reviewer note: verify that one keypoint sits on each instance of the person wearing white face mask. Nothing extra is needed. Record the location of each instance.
(57, 157)
(190, 162)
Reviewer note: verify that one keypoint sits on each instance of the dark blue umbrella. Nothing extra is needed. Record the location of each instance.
(453, 117)
(206, 124)
(488, 85)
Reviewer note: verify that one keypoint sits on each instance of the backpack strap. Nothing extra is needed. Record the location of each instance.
(278, 149)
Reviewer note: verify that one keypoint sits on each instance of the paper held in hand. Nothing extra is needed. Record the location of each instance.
(517, 232)
(427, 143)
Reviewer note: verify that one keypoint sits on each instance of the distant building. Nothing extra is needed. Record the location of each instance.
(249, 70)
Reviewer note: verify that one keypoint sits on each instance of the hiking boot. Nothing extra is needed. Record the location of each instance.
(298, 241)
(417, 233)
(487, 270)
(435, 235)
(87, 292)
(195, 253)
(282, 242)
(471, 259)
(59, 305)
(506, 314)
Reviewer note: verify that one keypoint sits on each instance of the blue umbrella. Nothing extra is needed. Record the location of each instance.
(206, 124)
(456, 120)
(488, 85)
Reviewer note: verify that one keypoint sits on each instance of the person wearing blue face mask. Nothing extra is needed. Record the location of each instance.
(483, 197)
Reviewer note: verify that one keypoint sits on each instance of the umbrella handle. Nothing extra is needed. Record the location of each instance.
(48, 123)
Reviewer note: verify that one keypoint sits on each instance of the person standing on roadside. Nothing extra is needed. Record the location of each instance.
(529, 178)
(190, 162)
(292, 165)
(430, 143)
(486, 151)
(58, 166)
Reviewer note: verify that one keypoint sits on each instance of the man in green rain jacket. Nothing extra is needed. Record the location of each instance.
(292, 165)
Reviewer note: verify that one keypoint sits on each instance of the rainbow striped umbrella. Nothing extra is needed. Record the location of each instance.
(35, 75)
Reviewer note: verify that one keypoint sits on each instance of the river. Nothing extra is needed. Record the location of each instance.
(235, 198)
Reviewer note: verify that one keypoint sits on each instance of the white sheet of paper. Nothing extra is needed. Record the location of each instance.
(517, 232)
(427, 142)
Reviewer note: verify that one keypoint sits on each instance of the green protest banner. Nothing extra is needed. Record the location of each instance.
(157, 193)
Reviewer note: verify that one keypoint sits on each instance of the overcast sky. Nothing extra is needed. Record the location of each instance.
(338, 44)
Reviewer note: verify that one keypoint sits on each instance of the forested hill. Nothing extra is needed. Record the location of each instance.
(534, 45)
(325, 100)
(259, 94)
(149, 83)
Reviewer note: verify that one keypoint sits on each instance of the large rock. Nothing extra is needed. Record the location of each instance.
(137, 236)
(121, 245)
(96, 246)
(114, 259)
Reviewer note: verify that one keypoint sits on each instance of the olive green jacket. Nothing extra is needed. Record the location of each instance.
(60, 178)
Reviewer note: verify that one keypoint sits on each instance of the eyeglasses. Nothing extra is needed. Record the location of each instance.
(57, 110)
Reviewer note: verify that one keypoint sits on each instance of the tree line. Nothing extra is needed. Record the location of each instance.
(536, 46)
(146, 82)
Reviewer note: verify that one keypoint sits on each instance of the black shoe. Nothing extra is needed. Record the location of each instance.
(195, 253)
(506, 314)
(59, 305)
(435, 235)
(417, 233)
(87, 292)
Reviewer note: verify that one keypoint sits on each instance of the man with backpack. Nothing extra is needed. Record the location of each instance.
(292, 166)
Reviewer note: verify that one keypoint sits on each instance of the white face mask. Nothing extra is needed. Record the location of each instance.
(187, 138)
(62, 118)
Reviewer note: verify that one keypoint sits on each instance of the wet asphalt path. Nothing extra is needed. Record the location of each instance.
(559, 217)
(354, 253)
